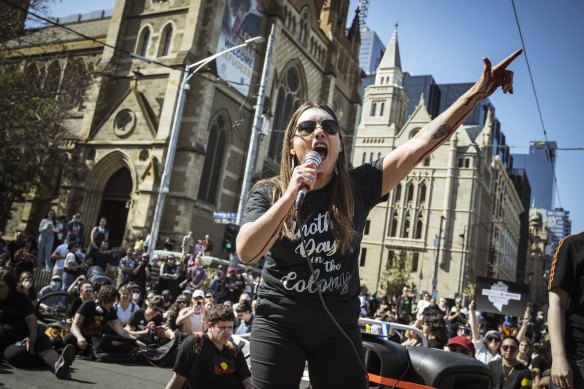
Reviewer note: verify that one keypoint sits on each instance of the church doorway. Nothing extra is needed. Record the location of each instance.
(114, 205)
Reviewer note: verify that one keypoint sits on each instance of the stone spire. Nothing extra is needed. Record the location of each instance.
(391, 58)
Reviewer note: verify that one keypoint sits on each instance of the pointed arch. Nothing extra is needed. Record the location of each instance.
(291, 92)
(419, 227)
(165, 40)
(407, 224)
(215, 155)
(74, 83)
(394, 225)
(422, 197)
(398, 190)
(53, 78)
(409, 192)
(98, 178)
(143, 41)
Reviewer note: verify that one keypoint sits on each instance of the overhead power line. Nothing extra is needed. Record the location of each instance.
(536, 99)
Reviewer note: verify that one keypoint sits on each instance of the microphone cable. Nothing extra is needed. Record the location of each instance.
(323, 303)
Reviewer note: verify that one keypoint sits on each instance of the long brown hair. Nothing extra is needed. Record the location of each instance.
(341, 201)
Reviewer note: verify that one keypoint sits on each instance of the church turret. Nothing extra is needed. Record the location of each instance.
(389, 70)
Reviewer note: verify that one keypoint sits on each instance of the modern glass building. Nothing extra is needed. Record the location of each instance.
(540, 166)
(371, 52)
(559, 225)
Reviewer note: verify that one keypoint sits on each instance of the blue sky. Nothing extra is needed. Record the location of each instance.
(448, 38)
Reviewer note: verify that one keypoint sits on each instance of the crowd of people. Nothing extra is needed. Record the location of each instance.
(305, 224)
(517, 352)
(145, 302)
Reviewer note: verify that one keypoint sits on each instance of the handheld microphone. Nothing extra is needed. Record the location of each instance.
(314, 158)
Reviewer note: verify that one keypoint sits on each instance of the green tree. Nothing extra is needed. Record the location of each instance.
(396, 274)
(33, 107)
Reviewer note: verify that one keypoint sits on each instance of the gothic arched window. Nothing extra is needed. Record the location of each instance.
(142, 46)
(165, 40)
(290, 94)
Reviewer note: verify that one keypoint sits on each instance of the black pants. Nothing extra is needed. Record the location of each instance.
(286, 335)
(44, 353)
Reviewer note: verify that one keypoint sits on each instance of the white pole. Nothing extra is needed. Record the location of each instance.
(180, 105)
(257, 126)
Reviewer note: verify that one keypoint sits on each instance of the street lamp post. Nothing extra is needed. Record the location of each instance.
(435, 279)
(256, 128)
(188, 73)
(462, 258)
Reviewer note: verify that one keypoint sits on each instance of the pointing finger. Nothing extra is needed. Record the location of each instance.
(487, 69)
(504, 63)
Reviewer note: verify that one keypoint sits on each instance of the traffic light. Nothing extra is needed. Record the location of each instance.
(231, 231)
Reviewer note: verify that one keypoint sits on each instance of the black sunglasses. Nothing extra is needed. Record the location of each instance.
(307, 127)
(509, 348)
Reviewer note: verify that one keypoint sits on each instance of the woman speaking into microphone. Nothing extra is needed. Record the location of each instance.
(308, 306)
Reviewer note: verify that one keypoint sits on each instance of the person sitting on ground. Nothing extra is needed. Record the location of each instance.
(245, 317)
(194, 318)
(84, 292)
(53, 287)
(125, 307)
(462, 345)
(148, 324)
(92, 316)
(26, 256)
(22, 342)
(210, 359)
(182, 301)
(26, 287)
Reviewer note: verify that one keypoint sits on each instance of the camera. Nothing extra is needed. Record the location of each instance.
(199, 303)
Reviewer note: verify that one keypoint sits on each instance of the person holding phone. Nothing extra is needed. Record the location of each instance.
(148, 325)
(194, 318)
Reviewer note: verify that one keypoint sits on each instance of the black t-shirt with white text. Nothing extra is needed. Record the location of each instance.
(567, 273)
(215, 369)
(286, 273)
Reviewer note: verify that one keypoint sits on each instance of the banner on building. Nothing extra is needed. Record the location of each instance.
(242, 20)
(502, 297)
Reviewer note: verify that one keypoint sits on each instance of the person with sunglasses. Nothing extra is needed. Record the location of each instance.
(487, 347)
(508, 372)
(312, 254)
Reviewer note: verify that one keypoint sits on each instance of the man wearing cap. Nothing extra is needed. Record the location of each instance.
(487, 347)
(461, 345)
(194, 318)
(54, 286)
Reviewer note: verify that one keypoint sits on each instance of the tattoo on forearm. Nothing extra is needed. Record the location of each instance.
(440, 132)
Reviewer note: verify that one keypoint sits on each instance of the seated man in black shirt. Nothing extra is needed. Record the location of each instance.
(92, 316)
(210, 360)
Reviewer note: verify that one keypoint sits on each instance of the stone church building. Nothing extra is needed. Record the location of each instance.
(455, 216)
(120, 126)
